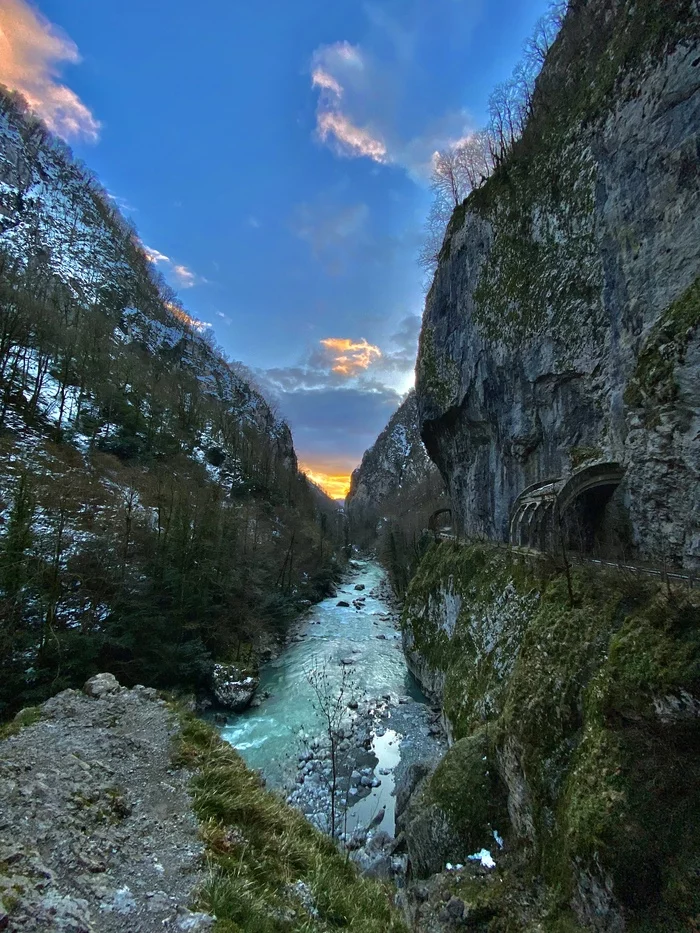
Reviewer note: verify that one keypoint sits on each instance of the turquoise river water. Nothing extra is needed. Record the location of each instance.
(271, 736)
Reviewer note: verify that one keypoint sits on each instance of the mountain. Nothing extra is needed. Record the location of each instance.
(558, 392)
(395, 461)
(394, 492)
(153, 516)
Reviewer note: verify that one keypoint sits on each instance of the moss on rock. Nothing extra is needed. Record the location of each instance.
(591, 711)
(270, 870)
(466, 785)
(653, 383)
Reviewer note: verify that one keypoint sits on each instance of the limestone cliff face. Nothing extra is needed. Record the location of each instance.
(562, 324)
(396, 462)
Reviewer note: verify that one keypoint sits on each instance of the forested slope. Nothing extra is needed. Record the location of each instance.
(152, 513)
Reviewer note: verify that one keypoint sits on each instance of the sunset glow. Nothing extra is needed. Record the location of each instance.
(335, 485)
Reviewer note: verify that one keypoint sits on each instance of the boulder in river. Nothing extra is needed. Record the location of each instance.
(359, 586)
(343, 604)
(232, 687)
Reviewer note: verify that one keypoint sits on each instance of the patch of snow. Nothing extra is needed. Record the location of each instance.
(484, 857)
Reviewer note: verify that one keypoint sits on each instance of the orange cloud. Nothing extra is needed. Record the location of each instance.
(155, 256)
(350, 357)
(351, 140)
(335, 485)
(179, 313)
(31, 52)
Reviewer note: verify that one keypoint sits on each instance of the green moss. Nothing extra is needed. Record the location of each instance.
(537, 275)
(569, 697)
(653, 384)
(439, 378)
(542, 273)
(25, 717)
(466, 786)
(581, 455)
(257, 847)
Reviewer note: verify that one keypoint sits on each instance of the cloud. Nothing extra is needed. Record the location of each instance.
(333, 427)
(331, 65)
(383, 99)
(32, 51)
(339, 398)
(350, 140)
(321, 79)
(155, 256)
(350, 357)
(185, 277)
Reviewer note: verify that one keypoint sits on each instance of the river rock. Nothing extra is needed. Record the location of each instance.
(359, 586)
(343, 604)
(232, 687)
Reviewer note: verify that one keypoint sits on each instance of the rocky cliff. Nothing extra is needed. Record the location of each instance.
(396, 462)
(119, 811)
(393, 495)
(573, 706)
(561, 328)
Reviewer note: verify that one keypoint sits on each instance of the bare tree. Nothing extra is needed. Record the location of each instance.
(331, 702)
(456, 172)
(545, 32)
(434, 233)
(445, 180)
(473, 158)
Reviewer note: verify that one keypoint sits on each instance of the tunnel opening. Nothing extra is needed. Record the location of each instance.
(591, 525)
(584, 513)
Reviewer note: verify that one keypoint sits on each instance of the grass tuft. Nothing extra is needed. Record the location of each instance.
(257, 848)
(25, 717)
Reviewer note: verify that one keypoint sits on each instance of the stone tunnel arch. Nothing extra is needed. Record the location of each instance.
(574, 507)
(583, 502)
(434, 523)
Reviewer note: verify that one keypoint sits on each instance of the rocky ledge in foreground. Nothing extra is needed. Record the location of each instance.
(121, 814)
(96, 826)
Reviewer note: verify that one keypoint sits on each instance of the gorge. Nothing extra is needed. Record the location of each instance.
(472, 692)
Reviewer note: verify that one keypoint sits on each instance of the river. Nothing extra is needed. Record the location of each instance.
(392, 726)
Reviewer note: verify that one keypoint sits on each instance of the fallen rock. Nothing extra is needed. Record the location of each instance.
(101, 685)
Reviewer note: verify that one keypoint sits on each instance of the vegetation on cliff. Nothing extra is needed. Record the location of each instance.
(152, 514)
(590, 713)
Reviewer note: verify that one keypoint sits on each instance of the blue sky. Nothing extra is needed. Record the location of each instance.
(277, 153)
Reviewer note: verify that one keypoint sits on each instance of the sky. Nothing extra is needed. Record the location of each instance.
(275, 156)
